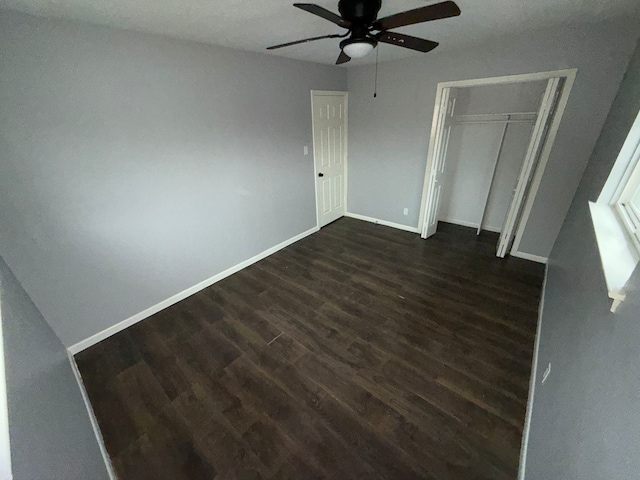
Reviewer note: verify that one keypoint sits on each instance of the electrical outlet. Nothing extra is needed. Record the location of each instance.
(306, 150)
(405, 211)
(546, 373)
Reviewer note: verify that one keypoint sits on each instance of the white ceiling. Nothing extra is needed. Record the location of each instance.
(255, 24)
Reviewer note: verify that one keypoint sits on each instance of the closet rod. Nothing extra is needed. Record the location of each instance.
(496, 114)
(465, 122)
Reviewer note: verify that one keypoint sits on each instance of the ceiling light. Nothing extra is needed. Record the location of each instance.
(357, 47)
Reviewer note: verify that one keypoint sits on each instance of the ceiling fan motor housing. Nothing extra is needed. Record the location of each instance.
(360, 12)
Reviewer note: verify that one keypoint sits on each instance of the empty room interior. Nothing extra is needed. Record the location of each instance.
(356, 239)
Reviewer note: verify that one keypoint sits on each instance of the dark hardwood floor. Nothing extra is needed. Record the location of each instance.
(360, 352)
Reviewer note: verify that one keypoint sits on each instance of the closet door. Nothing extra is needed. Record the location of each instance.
(543, 121)
(438, 150)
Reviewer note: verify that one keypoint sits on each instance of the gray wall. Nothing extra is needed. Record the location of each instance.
(507, 98)
(134, 166)
(50, 431)
(586, 415)
(388, 136)
(470, 158)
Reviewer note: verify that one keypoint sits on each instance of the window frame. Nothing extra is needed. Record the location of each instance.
(628, 188)
(616, 221)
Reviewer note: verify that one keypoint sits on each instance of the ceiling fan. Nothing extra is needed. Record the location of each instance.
(360, 18)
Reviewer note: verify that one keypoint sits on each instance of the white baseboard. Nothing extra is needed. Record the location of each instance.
(532, 384)
(399, 226)
(464, 223)
(528, 256)
(92, 340)
(93, 419)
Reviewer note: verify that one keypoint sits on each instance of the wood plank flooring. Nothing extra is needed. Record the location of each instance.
(360, 352)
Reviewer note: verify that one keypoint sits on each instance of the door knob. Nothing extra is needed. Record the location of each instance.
(321, 174)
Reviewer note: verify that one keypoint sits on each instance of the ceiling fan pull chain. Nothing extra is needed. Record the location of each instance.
(375, 85)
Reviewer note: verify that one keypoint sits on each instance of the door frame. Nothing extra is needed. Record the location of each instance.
(568, 75)
(331, 93)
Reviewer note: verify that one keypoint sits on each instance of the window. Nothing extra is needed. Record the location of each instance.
(616, 218)
(628, 203)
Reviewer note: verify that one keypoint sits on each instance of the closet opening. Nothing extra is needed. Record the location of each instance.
(490, 141)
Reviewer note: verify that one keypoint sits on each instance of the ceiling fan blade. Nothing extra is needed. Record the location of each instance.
(323, 13)
(419, 15)
(407, 41)
(312, 39)
(343, 58)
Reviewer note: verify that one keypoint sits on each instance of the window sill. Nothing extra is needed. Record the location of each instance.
(617, 251)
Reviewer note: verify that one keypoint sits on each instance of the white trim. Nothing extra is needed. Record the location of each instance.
(313, 159)
(329, 93)
(345, 187)
(345, 198)
(529, 256)
(464, 223)
(544, 156)
(92, 418)
(568, 74)
(92, 340)
(532, 383)
(377, 221)
(520, 78)
(618, 255)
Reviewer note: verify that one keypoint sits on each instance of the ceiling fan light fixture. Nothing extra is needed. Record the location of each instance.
(358, 47)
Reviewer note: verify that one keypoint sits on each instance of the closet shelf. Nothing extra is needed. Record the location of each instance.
(514, 117)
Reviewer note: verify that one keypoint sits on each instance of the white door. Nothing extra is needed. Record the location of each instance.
(329, 111)
(438, 155)
(547, 107)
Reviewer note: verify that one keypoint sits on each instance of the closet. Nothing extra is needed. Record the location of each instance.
(490, 131)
